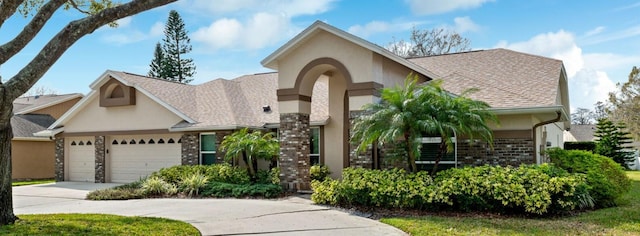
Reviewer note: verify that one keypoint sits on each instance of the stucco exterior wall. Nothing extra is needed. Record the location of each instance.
(334, 130)
(145, 115)
(32, 159)
(56, 111)
(321, 45)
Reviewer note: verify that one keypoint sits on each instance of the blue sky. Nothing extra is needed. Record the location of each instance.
(597, 40)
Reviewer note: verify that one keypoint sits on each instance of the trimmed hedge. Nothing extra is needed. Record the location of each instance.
(606, 178)
(533, 189)
(216, 173)
(221, 190)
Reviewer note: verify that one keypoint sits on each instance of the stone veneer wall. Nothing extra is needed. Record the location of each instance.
(190, 149)
(506, 152)
(219, 137)
(356, 158)
(294, 151)
(100, 159)
(59, 168)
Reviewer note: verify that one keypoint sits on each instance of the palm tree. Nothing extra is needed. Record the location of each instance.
(406, 113)
(250, 146)
(455, 115)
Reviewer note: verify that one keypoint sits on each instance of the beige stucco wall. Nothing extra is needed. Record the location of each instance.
(514, 122)
(334, 131)
(323, 44)
(32, 159)
(145, 115)
(57, 110)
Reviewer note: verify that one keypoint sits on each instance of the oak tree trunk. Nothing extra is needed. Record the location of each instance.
(6, 134)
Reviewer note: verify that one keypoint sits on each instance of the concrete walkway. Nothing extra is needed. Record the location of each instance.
(292, 216)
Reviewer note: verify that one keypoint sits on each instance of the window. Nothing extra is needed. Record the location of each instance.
(429, 151)
(207, 148)
(314, 143)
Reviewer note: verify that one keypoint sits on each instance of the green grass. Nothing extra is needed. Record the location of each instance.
(621, 220)
(31, 182)
(95, 224)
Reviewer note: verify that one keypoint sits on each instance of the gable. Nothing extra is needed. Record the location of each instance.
(146, 114)
(114, 93)
(56, 111)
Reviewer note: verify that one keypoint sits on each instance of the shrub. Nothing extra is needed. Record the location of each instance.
(537, 189)
(268, 177)
(390, 188)
(218, 172)
(157, 186)
(606, 178)
(191, 185)
(319, 172)
(218, 189)
(117, 193)
(528, 189)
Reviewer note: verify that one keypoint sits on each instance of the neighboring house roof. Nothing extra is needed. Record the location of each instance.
(25, 125)
(25, 105)
(583, 132)
(505, 78)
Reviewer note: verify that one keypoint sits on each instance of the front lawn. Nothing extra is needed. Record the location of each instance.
(621, 220)
(31, 182)
(95, 224)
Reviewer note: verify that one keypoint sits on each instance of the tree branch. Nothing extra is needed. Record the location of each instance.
(30, 74)
(75, 6)
(7, 8)
(30, 31)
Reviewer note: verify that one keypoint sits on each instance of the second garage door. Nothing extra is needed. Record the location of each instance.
(136, 156)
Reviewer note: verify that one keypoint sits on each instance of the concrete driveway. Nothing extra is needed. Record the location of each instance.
(292, 216)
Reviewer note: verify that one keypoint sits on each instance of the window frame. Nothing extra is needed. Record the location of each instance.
(319, 154)
(201, 152)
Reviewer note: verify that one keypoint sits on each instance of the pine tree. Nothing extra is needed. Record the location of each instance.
(175, 44)
(157, 66)
(612, 140)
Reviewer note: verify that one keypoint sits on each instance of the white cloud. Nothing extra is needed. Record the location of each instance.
(465, 24)
(263, 29)
(125, 22)
(588, 82)
(291, 8)
(157, 29)
(622, 34)
(595, 31)
(261, 23)
(376, 27)
(560, 45)
(429, 7)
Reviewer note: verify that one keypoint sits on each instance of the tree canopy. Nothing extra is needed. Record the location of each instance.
(168, 62)
(625, 103)
(612, 141)
(582, 116)
(406, 113)
(97, 13)
(429, 42)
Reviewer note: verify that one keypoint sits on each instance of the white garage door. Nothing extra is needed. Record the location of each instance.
(135, 156)
(81, 161)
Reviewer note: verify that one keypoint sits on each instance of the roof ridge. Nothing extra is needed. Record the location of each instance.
(447, 54)
(158, 79)
(526, 53)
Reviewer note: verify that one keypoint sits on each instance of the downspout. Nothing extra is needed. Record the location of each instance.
(535, 145)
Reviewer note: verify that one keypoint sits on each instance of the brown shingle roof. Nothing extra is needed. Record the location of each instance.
(224, 103)
(505, 78)
(28, 124)
(22, 104)
(583, 132)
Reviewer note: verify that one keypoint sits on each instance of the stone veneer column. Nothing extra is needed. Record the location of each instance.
(191, 149)
(99, 146)
(59, 168)
(357, 158)
(294, 151)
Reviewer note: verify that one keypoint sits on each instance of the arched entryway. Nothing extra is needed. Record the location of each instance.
(295, 127)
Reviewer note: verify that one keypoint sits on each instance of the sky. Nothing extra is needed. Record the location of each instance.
(596, 40)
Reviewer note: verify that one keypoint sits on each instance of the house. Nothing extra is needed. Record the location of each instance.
(33, 157)
(130, 125)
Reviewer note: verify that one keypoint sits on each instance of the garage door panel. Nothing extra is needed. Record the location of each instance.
(130, 162)
(81, 161)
